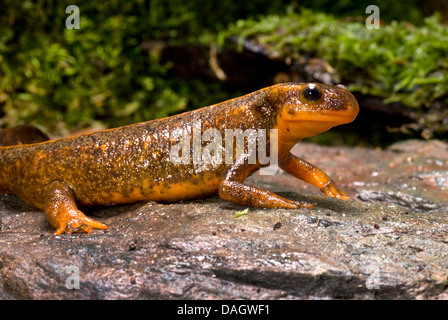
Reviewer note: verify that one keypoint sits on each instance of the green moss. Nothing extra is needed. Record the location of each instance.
(63, 79)
(399, 63)
(110, 71)
(410, 11)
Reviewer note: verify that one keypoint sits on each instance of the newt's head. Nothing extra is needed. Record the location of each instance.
(311, 108)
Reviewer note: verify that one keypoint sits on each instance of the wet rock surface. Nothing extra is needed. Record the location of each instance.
(389, 242)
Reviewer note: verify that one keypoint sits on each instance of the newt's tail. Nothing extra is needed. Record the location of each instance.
(21, 134)
(13, 136)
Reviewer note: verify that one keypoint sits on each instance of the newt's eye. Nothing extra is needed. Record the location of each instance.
(312, 93)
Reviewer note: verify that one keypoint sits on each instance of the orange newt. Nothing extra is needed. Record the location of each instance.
(134, 163)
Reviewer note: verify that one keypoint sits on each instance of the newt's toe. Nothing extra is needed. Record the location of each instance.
(306, 205)
(78, 222)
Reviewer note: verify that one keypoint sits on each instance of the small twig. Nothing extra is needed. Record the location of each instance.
(214, 65)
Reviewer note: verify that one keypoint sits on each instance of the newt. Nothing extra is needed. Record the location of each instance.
(134, 163)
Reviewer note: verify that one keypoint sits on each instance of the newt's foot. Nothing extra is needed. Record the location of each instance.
(306, 205)
(62, 212)
(331, 190)
(76, 221)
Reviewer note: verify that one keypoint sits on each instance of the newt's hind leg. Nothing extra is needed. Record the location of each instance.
(62, 212)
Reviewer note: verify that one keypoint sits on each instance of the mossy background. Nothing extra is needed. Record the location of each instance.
(111, 71)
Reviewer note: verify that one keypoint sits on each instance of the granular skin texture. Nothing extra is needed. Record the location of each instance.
(134, 163)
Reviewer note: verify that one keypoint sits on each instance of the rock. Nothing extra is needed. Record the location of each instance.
(389, 242)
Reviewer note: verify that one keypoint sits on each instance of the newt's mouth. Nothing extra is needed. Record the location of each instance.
(336, 117)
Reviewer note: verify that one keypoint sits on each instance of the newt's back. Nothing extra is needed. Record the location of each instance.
(127, 164)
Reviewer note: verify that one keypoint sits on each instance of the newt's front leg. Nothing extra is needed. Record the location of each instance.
(233, 189)
(305, 171)
(62, 212)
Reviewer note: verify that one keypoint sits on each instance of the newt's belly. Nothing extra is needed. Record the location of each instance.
(199, 186)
